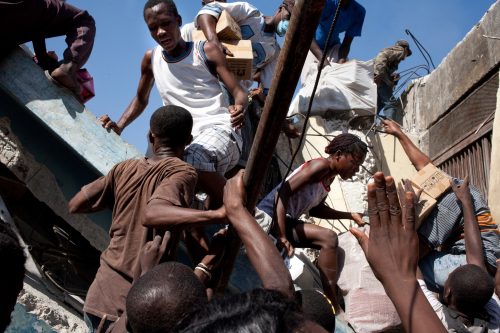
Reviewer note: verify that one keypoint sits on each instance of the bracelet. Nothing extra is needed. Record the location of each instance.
(202, 265)
(205, 271)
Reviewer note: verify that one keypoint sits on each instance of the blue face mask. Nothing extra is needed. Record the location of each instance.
(282, 28)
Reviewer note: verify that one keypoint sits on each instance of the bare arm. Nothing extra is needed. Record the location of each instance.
(140, 100)
(344, 49)
(316, 50)
(163, 215)
(215, 55)
(392, 251)
(262, 253)
(473, 244)
(324, 212)
(416, 156)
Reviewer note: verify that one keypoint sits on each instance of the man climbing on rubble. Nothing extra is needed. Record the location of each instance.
(187, 74)
(147, 196)
(34, 20)
(349, 21)
(386, 65)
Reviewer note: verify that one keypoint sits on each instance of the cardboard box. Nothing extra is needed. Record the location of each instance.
(226, 29)
(433, 183)
(241, 64)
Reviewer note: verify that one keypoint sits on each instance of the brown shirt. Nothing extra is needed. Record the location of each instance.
(127, 189)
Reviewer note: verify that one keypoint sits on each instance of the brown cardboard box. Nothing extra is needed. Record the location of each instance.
(241, 64)
(226, 29)
(433, 183)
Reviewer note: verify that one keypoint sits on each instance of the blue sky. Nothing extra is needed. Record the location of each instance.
(122, 38)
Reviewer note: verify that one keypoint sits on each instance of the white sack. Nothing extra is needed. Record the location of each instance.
(342, 87)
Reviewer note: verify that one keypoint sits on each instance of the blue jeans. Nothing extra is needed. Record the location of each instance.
(387, 103)
(436, 267)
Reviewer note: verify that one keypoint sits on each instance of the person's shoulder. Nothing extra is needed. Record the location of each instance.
(317, 165)
(123, 167)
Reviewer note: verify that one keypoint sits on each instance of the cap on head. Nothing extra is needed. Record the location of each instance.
(404, 44)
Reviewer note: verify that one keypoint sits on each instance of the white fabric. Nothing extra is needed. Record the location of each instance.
(187, 31)
(342, 87)
(367, 306)
(188, 82)
(251, 21)
(492, 307)
(310, 67)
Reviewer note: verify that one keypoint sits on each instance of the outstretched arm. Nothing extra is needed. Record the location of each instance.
(260, 249)
(392, 252)
(416, 156)
(140, 100)
(164, 215)
(473, 244)
(322, 211)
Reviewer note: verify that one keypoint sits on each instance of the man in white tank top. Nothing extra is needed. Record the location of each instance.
(187, 74)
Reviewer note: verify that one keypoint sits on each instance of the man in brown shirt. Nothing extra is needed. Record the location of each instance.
(147, 196)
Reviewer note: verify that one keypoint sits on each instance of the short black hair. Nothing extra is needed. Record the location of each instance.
(347, 143)
(256, 311)
(13, 259)
(172, 8)
(159, 298)
(172, 124)
(316, 307)
(471, 288)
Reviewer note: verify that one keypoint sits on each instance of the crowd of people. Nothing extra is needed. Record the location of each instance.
(195, 142)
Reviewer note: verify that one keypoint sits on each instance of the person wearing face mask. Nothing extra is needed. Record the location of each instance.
(259, 29)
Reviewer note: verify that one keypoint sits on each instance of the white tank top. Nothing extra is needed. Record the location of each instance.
(187, 81)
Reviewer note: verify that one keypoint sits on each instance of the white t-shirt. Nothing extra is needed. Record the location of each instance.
(251, 21)
(187, 31)
(189, 82)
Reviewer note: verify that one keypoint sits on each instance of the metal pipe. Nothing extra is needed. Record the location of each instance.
(303, 23)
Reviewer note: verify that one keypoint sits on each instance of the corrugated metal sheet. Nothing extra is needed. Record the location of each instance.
(474, 160)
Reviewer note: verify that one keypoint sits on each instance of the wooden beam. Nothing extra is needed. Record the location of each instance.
(305, 18)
